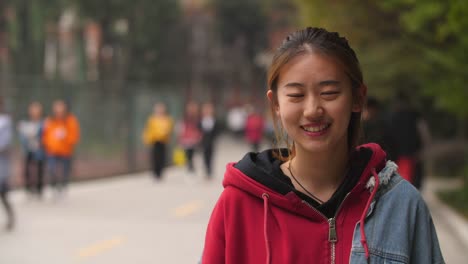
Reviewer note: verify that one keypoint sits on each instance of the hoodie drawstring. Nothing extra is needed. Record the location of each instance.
(265, 197)
(364, 214)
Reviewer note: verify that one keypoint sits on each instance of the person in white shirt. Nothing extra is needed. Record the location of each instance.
(6, 136)
(30, 135)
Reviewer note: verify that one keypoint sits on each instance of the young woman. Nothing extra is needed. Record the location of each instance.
(254, 128)
(190, 134)
(30, 135)
(323, 199)
(157, 134)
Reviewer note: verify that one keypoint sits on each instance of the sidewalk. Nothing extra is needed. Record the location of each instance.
(451, 227)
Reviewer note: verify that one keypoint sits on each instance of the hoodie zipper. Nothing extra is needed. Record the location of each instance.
(332, 236)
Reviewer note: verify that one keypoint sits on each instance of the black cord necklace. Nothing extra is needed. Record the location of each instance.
(309, 193)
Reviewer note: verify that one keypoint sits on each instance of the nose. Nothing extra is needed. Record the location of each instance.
(313, 108)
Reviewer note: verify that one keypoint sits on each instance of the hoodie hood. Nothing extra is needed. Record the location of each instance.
(292, 229)
(257, 173)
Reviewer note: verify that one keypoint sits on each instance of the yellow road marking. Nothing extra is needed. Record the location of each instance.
(187, 209)
(100, 247)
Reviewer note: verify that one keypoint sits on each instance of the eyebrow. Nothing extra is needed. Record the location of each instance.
(294, 84)
(329, 83)
(322, 83)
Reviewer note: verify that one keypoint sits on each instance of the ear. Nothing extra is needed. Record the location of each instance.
(358, 103)
(273, 101)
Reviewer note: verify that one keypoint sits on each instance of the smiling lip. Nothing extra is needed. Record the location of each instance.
(316, 130)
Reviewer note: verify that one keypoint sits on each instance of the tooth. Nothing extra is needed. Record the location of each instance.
(315, 129)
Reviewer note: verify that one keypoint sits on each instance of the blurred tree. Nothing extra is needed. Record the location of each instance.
(141, 36)
(441, 31)
(244, 21)
(26, 22)
(145, 36)
(242, 27)
(418, 46)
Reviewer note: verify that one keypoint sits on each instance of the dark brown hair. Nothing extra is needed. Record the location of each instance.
(331, 44)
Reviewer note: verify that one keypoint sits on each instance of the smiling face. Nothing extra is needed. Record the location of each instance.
(314, 102)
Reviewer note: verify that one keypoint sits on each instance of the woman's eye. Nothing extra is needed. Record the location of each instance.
(296, 95)
(330, 94)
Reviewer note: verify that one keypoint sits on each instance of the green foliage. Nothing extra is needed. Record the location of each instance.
(26, 31)
(242, 19)
(442, 28)
(411, 44)
(149, 40)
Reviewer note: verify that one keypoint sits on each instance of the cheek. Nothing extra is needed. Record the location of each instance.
(340, 110)
(280, 107)
(289, 113)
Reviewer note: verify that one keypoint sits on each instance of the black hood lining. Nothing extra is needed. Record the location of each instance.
(265, 168)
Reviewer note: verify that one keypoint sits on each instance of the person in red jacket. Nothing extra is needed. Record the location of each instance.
(60, 136)
(322, 198)
(254, 128)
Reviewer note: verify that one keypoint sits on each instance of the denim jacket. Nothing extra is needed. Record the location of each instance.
(409, 237)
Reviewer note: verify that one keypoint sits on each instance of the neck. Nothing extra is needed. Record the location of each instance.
(320, 173)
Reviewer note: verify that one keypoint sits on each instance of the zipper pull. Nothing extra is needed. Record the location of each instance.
(332, 230)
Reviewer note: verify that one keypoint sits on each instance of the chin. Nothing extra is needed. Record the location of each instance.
(320, 146)
(316, 147)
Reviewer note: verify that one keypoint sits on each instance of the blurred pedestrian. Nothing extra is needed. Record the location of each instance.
(30, 135)
(209, 127)
(157, 134)
(60, 136)
(376, 127)
(372, 125)
(407, 140)
(6, 135)
(426, 139)
(254, 128)
(322, 199)
(236, 117)
(189, 134)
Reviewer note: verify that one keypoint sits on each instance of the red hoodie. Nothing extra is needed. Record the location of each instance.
(252, 223)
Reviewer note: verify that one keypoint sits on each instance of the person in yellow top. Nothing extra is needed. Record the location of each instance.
(157, 134)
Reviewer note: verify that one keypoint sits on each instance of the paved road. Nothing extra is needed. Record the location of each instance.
(452, 229)
(132, 219)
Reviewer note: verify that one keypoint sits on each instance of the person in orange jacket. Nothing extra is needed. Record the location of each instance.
(60, 136)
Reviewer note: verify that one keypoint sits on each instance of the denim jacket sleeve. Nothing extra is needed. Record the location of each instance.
(425, 246)
(399, 228)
